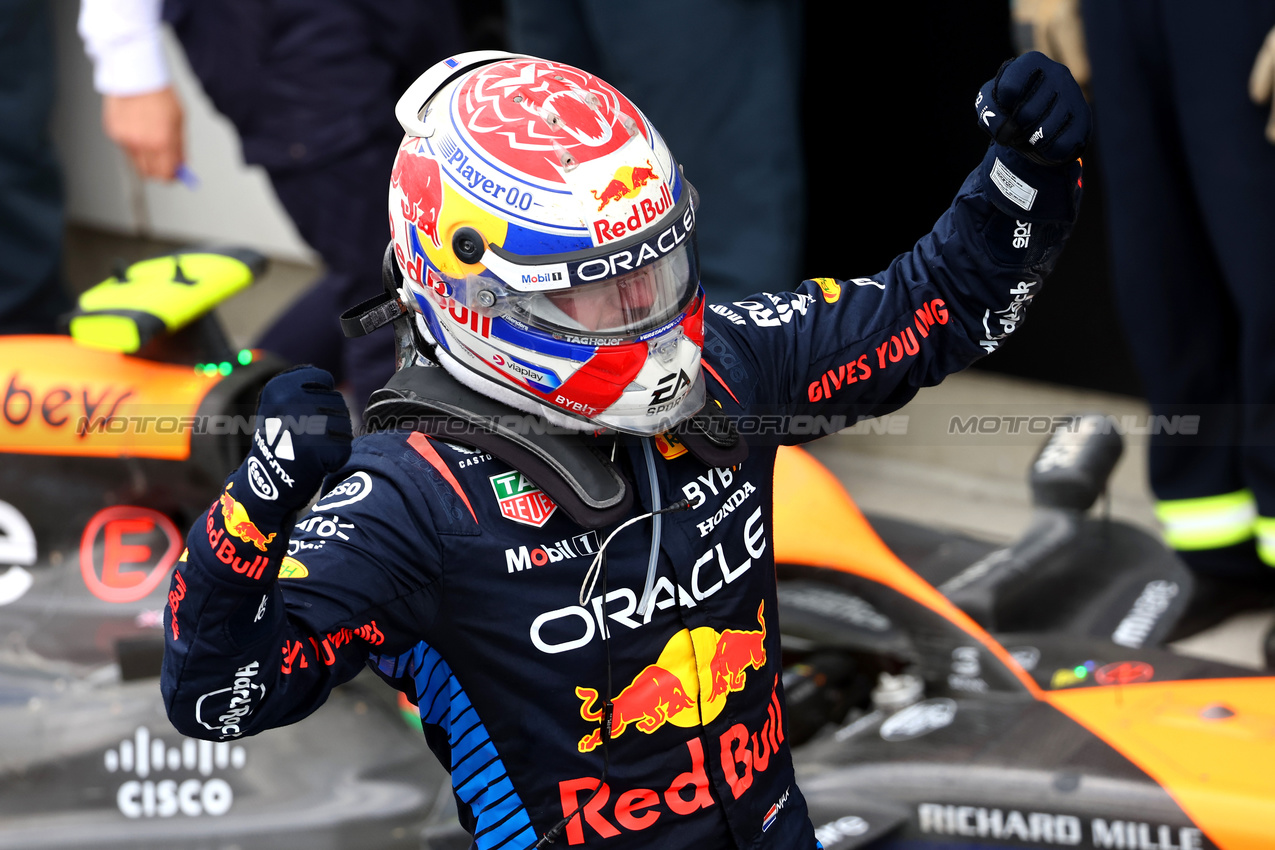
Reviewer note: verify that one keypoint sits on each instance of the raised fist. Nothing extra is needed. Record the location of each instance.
(1034, 106)
(302, 433)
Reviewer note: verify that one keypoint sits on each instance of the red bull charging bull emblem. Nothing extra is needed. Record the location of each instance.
(626, 183)
(669, 690)
(421, 183)
(673, 691)
(654, 696)
(238, 524)
(736, 652)
(624, 221)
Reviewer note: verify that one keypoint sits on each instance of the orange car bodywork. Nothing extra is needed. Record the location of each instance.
(113, 405)
(1219, 766)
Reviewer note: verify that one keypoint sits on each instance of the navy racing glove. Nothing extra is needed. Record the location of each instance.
(302, 432)
(1035, 106)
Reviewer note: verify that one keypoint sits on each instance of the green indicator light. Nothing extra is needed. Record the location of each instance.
(225, 367)
(199, 368)
(245, 357)
(1081, 672)
(210, 369)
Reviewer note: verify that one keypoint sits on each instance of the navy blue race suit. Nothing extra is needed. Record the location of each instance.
(458, 581)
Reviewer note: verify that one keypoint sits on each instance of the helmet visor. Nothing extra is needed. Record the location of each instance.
(620, 307)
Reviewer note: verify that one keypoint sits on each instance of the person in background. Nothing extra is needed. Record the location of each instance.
(32, 295)
(742, 132)
(310, 87)
(1180, 92)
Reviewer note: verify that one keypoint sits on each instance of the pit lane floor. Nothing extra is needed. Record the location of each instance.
(956, 457)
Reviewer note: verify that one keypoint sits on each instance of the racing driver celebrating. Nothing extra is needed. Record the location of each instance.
(555, 536)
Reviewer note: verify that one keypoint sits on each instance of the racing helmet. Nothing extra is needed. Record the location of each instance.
(546, 238)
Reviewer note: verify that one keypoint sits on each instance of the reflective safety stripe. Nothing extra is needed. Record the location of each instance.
(1266, 540)
(1210, 522)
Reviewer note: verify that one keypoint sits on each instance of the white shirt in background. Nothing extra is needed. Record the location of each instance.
(122, 39)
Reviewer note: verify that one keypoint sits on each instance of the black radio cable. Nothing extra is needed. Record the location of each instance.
(608, 707)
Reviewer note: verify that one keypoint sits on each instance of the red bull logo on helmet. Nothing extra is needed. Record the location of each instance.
(641, 214)
(420, 183)
(625, 221)
(439, 289)
(627, 183)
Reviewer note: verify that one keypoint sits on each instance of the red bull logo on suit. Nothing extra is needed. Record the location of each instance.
(678, 690)
(736, 652)
(669, 690)
(654, 696)
(239, 524)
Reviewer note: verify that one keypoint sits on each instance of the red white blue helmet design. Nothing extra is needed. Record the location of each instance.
(547, 242)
